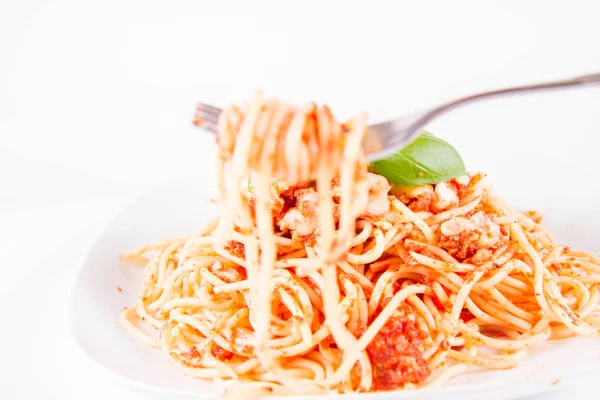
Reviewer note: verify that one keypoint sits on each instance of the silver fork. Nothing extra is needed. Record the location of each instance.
(387, 137)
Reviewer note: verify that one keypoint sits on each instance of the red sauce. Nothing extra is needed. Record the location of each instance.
(336, 213)
(439, 305)
(252, 205)
(312, 285)
(289, 194)
(288, 199)
(236, 248)
(423, 202)
(461, 246)
(445, 345)
(403, 197)
(461, 190)
(419, 249)
(309, 240)
(191, 354)
(429, 278)
(405, 255)
(220, 353)
(356, 376)
(282, 249)
(328, 343)
(396, 354)
(466, 316)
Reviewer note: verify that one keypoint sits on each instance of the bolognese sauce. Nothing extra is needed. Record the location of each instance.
(396, 353)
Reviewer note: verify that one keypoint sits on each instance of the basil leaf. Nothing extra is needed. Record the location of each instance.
(427, 160)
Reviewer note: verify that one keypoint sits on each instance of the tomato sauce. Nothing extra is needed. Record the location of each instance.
(191, 353)
(462, 245)
(236, 248)
(220, 353)
(396, 354)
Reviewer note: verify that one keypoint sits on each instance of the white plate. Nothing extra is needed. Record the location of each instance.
(179, 208)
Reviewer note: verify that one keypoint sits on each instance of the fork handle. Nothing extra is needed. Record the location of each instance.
(584, 80)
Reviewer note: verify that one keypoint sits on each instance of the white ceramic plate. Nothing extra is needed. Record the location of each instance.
(180, 207)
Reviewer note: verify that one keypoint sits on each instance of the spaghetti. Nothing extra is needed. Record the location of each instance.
(320, 276)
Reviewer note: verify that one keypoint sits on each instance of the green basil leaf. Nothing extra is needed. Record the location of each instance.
(427, 160)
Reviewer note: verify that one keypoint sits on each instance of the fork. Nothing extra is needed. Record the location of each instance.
(387, 137)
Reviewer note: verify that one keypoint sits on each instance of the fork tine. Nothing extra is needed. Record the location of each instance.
(207, 117)
(208, 109)
(201, 117)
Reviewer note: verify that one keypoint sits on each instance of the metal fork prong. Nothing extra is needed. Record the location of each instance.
(207, 117)
(202, 116)
(208, 109)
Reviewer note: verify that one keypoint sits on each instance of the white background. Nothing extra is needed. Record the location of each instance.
(96, 100)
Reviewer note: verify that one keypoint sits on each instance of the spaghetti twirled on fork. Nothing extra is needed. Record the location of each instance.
(319, 275)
